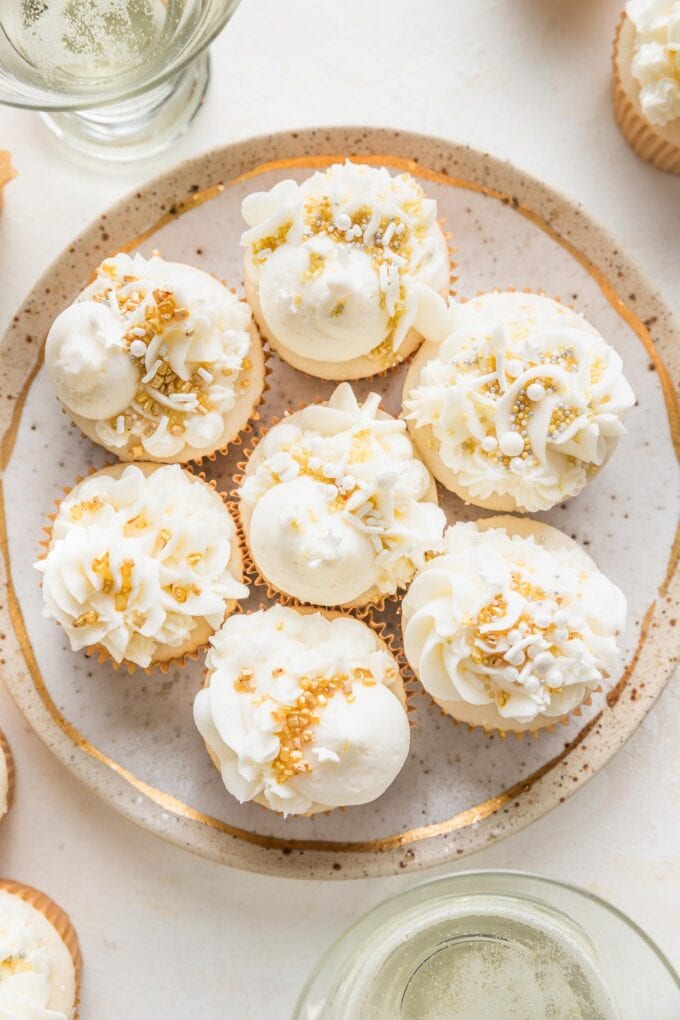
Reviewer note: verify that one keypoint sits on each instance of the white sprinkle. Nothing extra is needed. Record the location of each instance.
(389, 232)
(514, 635)
(164, 350)
(329, 471)
(204, 374)
(113, 302)
(531, 684)
(516, 658)
(138, 331)
(542, 660)
(513, 367)
(343, 221)
(489, 443)
(561, 634)
(315, 463)
(152, 371)
(137, 349)
(511, 444)
(382, 277)
(517, 465)
(555, 678)
(120, 424)
(510, 673)
(182, 398)
(542, 619)
(561, 618)
(162, 427)
(535, 391)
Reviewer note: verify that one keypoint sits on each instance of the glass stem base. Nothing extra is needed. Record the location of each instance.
(139, 127)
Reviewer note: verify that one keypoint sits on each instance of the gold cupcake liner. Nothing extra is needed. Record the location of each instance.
(385, 636)
(59, 920)
(6, 751)
(640, 134)
(102, 655)
(355, 608)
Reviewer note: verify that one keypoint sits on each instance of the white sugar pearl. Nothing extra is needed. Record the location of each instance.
(514, 635)
(535, 391)
(532, 651)
(560, 618)
(561, 634)
(532, 684)
(511, 444)
(542, 660)
(510, 673)
(542, 619)
(137, 348)
(517, 465)
(489, 443)
(329, 471)
(515, 658)
(555, 678)
(315, 463)
(513, 367)
(342, 221)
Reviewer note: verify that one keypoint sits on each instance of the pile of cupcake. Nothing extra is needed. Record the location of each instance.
(511, 400)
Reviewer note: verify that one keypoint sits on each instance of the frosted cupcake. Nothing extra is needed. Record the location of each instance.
(520, 406)
(345, 271)
(646, 82)
(336, 507)
(143, 563)
(6, 776)
(513, 626)
(156, 361)
(302, 712)
(39, 956)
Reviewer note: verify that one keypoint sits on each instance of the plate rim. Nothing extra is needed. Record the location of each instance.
(526, 805)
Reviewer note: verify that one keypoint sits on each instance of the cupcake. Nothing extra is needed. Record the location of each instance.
(302, 711)
(513, 626)
(336, 508)
(143, 564)
(6, 776)
(520, 406)
(156, 361)
(39, 956)
(346, 271)
(646, 82)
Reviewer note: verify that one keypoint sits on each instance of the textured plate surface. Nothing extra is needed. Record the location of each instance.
(132, 739)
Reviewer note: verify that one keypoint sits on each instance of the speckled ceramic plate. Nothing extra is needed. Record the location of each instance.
(132, 739)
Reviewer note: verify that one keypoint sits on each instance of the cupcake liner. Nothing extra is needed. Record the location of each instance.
(640, 134)
(379, 373)
(385, 637)
(102, 655)
(11, 771)
(356, 608)
(59, 920)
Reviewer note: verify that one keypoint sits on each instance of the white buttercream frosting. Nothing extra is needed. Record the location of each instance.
(138, 561)
(656, 57)
(27, 967)
(524, 398)
(339, 502)
(153, 353)
(504, 621)
(346, 262)
(299, 711)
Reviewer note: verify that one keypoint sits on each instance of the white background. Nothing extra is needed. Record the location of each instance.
(165, 934)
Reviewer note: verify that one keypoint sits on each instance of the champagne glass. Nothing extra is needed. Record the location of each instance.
(120, 79)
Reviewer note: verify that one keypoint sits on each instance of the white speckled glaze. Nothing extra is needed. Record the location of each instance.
(450, 770)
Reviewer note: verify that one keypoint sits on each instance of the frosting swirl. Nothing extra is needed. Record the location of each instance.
(28, 968)
(137, 561)
(299, 711)
(346, 262)
(524, 399)
(152, 355)
(519, 626)
(656, 57)
(336, 503)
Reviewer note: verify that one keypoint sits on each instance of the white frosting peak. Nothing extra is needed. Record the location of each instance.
(656, 57)
(26, 965)
(151, 351)
(345, 260)
(339, 502)
(137, 561)
(524, 398)
(507, 622)
(299, 712)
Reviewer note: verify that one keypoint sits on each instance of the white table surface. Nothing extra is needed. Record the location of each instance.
(164, 933)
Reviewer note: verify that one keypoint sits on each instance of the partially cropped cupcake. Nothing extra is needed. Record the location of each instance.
(520, 406)
(303, 712)
(336, 507)
(39, 956)
(156, 360)
(6, 776)
(646, 80)
(513, 626)
(143, 564)
(346, 271)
